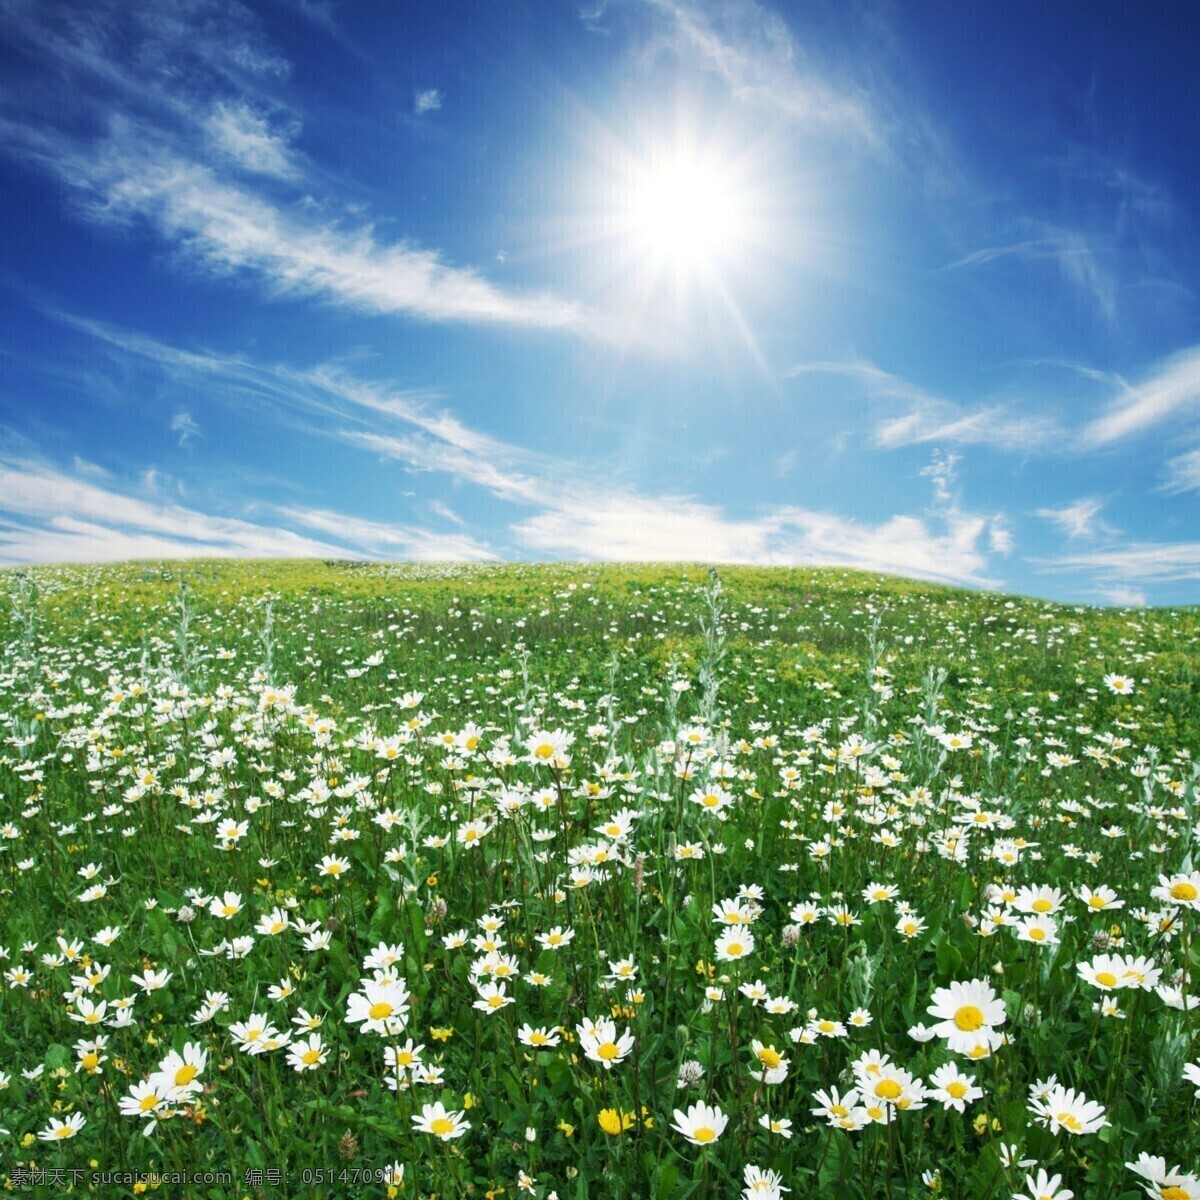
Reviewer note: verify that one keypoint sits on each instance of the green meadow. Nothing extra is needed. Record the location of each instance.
(582, 881)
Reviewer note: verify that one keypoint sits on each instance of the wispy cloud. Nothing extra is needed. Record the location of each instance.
(1080, 519)
(754, 53)
(1170, 390)
(245, 137)
(1183, 472)
(930, 419)
(429, 100)
(184, 165)
(229, 229)
(51, 515)
(1124, 597)
(91, 470)
(571, 510)
(588, 519)
(445, 512)
(184, 424)
(1069, 251)
(404, 541)
(1133, 564)
(632, 527)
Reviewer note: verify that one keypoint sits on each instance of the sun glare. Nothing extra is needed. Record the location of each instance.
(684, 211)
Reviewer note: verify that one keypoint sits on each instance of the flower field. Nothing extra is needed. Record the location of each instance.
(629, 882)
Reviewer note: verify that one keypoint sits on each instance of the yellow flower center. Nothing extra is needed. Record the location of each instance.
(825, 1026)
(968, 1018)
(544, 751)
(608, 1051)
(1042, 905)
(957, 1089)
(1037, 934)
(734, 949)
(65, 1131)
(310, 1057)
(1184, 891)
(888, 1089)
(1097, 902)
(538, 1039)
(1070, 1121)
(380, 1011)
(839, 1110)
(1106, 979)
(90, 1061)
(769, 1057)
(704, 1134)
(441, 1126)
(149, 1102)
(185, 1075)
(495, 1001)
(229, 909)
(1174, 1193)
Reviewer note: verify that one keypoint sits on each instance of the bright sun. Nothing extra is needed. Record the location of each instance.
(684, 211)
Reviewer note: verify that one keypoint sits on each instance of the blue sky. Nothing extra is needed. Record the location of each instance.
(907, 287)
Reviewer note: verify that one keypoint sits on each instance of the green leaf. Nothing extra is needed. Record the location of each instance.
(838, 1161)
(384, 917)
(667, 1181)
(414, 929)
(57, 1055)
(948, 960)
(340, 966)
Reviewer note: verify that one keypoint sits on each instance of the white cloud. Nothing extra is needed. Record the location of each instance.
(1183, 472)
(55, 517)
(1000, 538)
(244, 136)
(229, 229)
(1124, 597)
(1078, 520)
(47, 515)
(180, 141)
(762, 65)
(635, 528)
(406, 541)
(1134, 563)
(446, 512)
(184, 424)
(573, 511)
(943, 471)
(429, 100)
(1171, 390)
(91, 469)
(928, 418)
(1066, 249)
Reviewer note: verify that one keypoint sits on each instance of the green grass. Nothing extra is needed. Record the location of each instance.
(145, 704)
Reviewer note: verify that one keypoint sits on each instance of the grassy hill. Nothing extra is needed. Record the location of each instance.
(766, 824)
